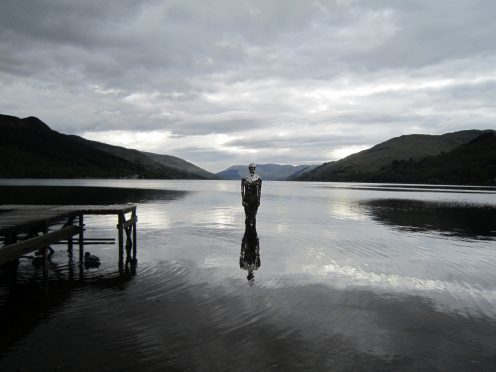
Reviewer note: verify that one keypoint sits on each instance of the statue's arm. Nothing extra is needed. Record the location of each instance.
(257, 254)
(259, 190)
(243, 190)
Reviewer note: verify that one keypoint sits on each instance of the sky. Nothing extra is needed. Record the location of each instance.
(224, 82)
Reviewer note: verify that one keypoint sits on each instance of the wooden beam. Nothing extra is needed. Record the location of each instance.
(13, 251)
(130, 222)
(135, 217)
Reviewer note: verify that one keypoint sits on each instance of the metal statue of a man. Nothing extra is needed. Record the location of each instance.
(251, 189)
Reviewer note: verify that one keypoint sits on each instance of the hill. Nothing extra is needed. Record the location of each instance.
(30, 149)
(178, 163)
(364, 165)
(275, 172)
(470, 163)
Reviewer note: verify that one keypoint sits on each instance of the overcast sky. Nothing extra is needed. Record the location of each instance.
(225, 82)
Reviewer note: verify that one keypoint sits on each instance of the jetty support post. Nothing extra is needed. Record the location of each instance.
(134, 217)
(130, 230)
(70, 222)
(44, 251)
(81, 238)
(120, 228)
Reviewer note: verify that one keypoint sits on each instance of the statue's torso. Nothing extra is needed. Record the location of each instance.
(252, 185)
(252, 182)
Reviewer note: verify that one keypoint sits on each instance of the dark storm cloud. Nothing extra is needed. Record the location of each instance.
(281, 79)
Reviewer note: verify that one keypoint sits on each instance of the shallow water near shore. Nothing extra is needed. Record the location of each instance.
(351, 276)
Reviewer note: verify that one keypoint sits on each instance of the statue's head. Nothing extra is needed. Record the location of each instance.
(252, 168)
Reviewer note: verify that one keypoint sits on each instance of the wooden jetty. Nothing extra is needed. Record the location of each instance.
(28, 228)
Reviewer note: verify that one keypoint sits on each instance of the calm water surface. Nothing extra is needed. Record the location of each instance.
(351, 277)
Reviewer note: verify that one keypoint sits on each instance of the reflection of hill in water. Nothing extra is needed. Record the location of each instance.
(82, 195)
(456, 219)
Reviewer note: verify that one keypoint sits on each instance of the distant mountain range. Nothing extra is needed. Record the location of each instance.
(30, 149)
(465, 157)
(274, 172)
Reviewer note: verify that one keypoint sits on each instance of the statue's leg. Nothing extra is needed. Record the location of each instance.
(247, 214)
(254, 218)
(251, 214)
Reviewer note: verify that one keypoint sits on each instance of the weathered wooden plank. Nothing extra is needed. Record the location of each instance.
(87, 209)
(102, 209)
(11, 221)
(13, 251)
(4, 207)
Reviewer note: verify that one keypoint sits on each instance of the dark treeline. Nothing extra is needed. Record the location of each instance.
(472, 163)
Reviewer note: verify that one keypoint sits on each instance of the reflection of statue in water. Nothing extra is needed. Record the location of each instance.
(249, 257)
(251, 189)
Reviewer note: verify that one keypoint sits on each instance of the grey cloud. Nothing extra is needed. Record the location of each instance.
(297, 142)
(431, 32)
(222, 126)
(287, 38)
(129, 42)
